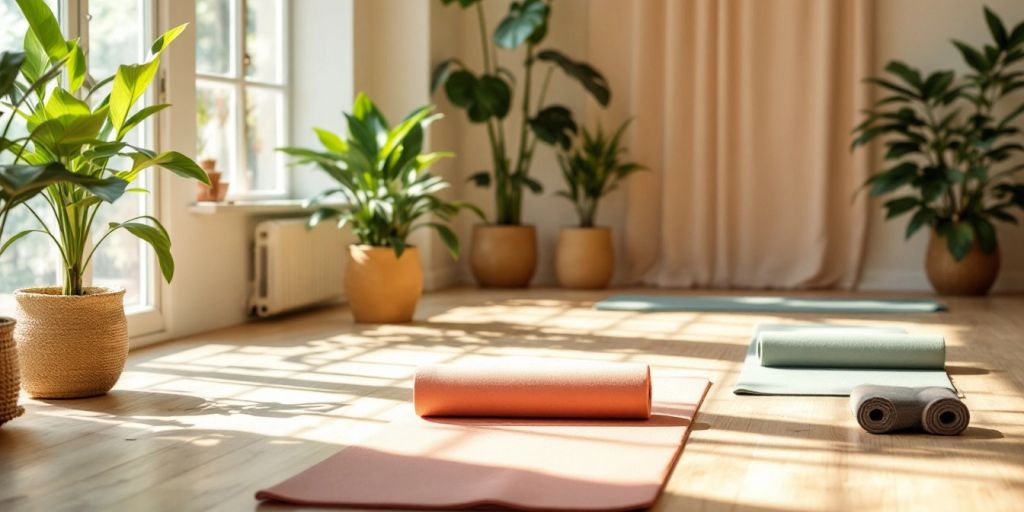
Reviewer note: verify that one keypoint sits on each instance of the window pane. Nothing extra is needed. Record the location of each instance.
(122, 260)
(118, 35)
(215, 48)
(217, 125)
(264, 129)
(116, 32)
(263, 44)
(13, 24)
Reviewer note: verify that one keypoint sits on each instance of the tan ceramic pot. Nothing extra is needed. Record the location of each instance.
(382, 288)
(9, 375)
(503, 256)
(973, 275)
(585, 258)
(70, 346)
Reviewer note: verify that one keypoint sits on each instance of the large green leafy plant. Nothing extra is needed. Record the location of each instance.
(383, 178)
(593, 169)
(487, 98)
(21, 182)
(71, 126)
(953, 142)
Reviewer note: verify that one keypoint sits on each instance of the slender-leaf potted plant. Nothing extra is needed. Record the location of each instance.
(82, 330)
(18, 184)
(388, 193)
(504, 253)
(592, 169)
(955, 148)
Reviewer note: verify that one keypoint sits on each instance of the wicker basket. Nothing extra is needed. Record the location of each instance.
(9, 382)
(70, 346)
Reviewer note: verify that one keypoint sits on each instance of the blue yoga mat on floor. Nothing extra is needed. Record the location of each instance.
(764, 304)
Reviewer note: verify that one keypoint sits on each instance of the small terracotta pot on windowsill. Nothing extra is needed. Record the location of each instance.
(217, 190)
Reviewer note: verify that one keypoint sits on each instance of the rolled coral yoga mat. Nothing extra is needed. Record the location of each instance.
(758, 379)
(770, 304)
(852, 350)
(512, 463)
(539, 390)
(885, 409)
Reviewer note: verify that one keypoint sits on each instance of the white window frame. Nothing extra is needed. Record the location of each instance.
(238, 177)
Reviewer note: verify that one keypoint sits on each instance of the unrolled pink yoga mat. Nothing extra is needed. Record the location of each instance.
(538, 463)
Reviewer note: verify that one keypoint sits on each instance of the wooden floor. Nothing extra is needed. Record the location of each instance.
(202, 423)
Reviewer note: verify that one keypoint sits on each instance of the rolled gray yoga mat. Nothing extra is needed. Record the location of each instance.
(852, 350)
(884, 409)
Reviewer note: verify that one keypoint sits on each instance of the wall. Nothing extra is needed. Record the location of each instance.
(917, 31)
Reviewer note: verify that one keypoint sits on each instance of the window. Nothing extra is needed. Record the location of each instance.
(241, 92)
(112, 32)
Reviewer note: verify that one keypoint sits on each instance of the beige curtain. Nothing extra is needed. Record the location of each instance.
(743, 109)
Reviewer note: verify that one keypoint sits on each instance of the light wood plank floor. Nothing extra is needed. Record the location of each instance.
(202, 423)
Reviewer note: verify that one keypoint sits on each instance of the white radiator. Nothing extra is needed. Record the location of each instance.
(294, 266)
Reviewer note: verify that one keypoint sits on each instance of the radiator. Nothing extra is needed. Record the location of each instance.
(295, 267)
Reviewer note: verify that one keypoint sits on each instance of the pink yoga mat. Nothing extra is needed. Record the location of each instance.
(514, 463)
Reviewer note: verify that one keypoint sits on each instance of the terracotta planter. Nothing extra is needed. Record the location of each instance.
(503, 256)
(9, 378)
(973, 275)
(217, 190)
(381, 288)
(585, 258)
(70, 346)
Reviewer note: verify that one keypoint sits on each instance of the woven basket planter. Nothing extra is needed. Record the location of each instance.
(70, 346)
(9, 382)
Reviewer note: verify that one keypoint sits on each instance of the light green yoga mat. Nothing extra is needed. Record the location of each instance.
(922, 352)
(770, 304)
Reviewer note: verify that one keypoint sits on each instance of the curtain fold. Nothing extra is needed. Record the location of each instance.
(742, 110)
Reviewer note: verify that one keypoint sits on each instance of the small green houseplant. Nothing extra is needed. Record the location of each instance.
(955, 149)
(592, 169)
(70, 125)
(388, 193)
(504, 253)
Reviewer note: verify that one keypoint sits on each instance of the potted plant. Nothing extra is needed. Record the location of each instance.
(585, 257)
(504, 253)
(82, 330)
(18, 184)
(383, 178)
(952, 141)
(217, 190)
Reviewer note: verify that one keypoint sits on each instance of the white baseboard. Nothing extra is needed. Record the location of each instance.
(907, 280)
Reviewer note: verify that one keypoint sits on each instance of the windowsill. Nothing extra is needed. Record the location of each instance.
(266, 206)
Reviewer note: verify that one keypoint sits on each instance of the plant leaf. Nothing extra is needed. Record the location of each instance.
(959, 239)
(526, 20)
(996, 28)
(591, 79)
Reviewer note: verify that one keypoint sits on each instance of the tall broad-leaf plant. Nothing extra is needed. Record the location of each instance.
(487, 98)
(383, 179)
(21, 182)
(73, 126)
(953, 141)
